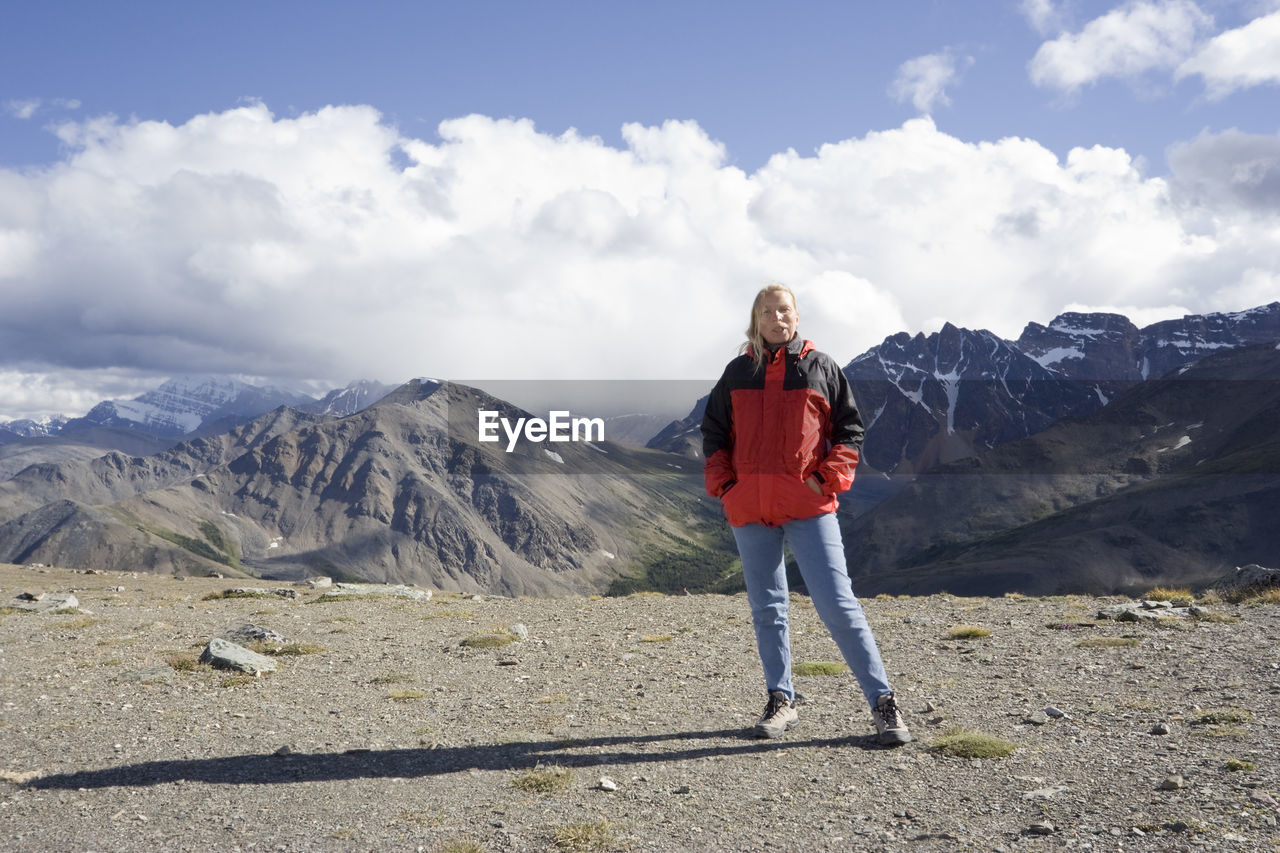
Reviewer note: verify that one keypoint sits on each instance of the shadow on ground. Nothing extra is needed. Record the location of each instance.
(266, 769)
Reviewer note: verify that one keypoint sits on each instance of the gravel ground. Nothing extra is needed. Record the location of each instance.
(390, 734)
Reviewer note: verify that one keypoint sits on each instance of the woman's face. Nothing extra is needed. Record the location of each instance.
(778, 318)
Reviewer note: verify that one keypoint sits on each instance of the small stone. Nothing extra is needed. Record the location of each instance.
(227, 655)
(607, 784)
(928, 708)
(1056, 713)
(319, 583)
(1173, 783)
(683, 789)
(1042, 827)
(520, 631)
(1160, 729)
(1179, 826)
(1038, 718)
(285, 750)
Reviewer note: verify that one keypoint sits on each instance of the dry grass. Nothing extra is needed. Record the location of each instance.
(967, 632)
(544, 780)
(183, 661)
(656, 638)
(818, 667)
(1225, 715)
(1237, 765)
(585, 836)
(488, 641)
(1107, 642)
(392, 678)
(1179, 597)
(962, 743)
(405, 695)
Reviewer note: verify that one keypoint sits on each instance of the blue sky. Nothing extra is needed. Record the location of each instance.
(266, 188)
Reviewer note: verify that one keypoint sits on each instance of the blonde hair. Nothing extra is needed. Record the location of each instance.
(754, 344)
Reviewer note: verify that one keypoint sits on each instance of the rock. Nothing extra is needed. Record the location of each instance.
(520, 631)
(1037, 718)
(252, 591)
(607, 784)
(1255, 575)
(392, 590)
(683, 789)
(227, 655)
(286, 750)
(319, 583)
(1160, 729)
(1056, 713)
(1042, 827)
(45, 602)
(1173, 783)
(1044, 793)
(249, 633)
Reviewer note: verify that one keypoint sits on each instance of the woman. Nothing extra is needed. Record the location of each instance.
(781, 436)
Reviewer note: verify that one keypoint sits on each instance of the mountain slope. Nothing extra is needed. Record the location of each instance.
(401, 491)
(1174, 481)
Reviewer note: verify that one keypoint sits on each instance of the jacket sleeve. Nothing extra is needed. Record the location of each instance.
(717, 441)
(835, 472)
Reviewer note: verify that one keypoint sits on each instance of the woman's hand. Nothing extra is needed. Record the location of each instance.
(813, 483)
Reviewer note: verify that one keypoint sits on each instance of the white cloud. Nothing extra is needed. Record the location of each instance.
(301, 248)
(22, 108)
(1238, 59)
(1125, 42)
(1041, 14)
(924, 80)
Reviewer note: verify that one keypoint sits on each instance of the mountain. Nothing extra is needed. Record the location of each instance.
(401, 491)
(28, 428)
(937, 398)
(184, 404)
(341, 402)
(1174, 482)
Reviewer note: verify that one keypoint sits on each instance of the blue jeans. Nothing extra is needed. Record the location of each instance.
(818, 550)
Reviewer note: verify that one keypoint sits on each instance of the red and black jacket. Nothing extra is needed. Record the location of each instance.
(768, 430)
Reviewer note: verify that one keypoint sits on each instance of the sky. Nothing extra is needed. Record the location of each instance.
(309, 193)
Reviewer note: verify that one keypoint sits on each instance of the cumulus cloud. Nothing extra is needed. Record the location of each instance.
(331, 246)
(22, 108)
(1238, 59)
(924, 80)
(1231, 170)
(1126, 42)
(1041, 14)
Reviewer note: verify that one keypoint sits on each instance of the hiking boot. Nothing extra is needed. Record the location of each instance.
(890, 729)
(779, 715)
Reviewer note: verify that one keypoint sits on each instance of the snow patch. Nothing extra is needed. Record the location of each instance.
(596, 449)
(1057, 354)
(1102, 398)
(554, 456)
(607, 554)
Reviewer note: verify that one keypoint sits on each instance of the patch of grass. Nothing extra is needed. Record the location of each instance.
(546, 780)
(342, 596)
(1214, 616)
(451, 614)
(266, 613)
(1225, 715)
(967, 632)
(488, 641)
(553, 698)
(585, 836)
(818, 667)
(237, 593)
(82, 622)
(238, 680)
(9, 611)
(962, 743)
(405, 694)
(462, 845)
(393, 677)
(1222, 731)
(419, 817)
(1252, 595)
(1107, 642)
(1179, 597)
(183, 662)
(656, 638)
(1236, 765)
(111, 662)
